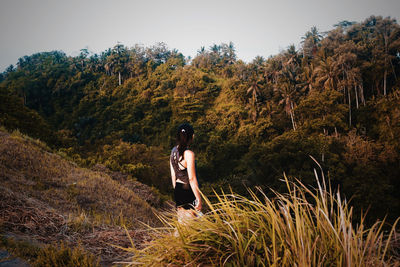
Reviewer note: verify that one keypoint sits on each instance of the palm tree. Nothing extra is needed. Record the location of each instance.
(286, 92)
(117, 60)
(387, 28)
(215, 54)
(258, 60)
(350, 75)
(216, 49)
(254, 91)
(201, 51)
(307, 76)
(344, 24)
(310, 42)
(230, 53)
(83, 57)
(291, 56)
(289, 80)
(325, 73)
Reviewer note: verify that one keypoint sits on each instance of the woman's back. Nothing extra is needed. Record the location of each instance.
(183, 170)
(180, 172)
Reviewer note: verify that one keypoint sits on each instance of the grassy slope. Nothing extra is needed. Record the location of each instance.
(50, 199)
(305, 227)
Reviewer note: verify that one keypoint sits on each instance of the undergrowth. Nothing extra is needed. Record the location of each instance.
(305, 227)
(50, 255)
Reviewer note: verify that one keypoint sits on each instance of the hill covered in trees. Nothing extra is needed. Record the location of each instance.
(335, 98)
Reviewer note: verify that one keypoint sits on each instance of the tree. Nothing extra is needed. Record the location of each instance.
(326, 74)
(345, 24)
(286, 92)
(116, 61)
(288, 82)
(10, 69)
(83, 56)
(310, 42)
(254, 91)
(322, 112)
(387, 31)
(228, 53)
(215, 54)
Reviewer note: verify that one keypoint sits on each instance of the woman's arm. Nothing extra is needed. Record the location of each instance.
(172, 174)
(189, 157)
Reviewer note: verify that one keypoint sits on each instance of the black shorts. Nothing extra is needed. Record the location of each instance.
(184, 196)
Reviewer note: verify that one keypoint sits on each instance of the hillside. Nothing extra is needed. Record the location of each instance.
(45, 199)
(335, 97)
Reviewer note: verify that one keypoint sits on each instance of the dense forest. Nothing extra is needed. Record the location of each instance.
(335, 98)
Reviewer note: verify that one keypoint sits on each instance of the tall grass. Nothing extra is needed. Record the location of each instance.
(305, 227)
(53, 255)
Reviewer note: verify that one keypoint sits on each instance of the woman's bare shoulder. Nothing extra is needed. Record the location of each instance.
(189, 153)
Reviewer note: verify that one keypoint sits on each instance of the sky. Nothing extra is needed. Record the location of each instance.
(256, 27)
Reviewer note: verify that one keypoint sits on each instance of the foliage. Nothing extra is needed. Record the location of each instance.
(19, 248)
(253, 121)
(147, 164)
(64, 256)
(14, 115)
(302, 228)
(50, 255)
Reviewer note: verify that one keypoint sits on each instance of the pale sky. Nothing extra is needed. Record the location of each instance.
(256, 27)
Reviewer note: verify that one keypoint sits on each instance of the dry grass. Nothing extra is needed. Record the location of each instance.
(49, 255)
(27, 167)
(305, 227)
(52, 200)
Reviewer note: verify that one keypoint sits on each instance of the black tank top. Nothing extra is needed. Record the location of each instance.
(179, 174)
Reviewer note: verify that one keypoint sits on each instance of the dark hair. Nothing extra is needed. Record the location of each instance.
(184, 137)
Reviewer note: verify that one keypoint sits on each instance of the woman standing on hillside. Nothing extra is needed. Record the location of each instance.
(183, 173)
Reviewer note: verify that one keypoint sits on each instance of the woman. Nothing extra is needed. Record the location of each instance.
(183, 172)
